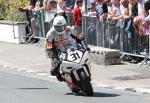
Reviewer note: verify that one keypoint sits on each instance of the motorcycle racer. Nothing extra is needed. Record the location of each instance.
(58, 38)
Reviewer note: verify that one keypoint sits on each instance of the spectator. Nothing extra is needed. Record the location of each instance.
(130, 40)
(70, 4)
(146, 22)
(99, 8)
(50, 10)
(77, 16)
(147, 5)
(124, 8)
(61, 6)
(89, 3)
(116, 14)
(146, 25)
(138, 19)
(133, 8)
(34, 7)
(92, 8)
(65, 5)
(115, 24)
(127, 26)
(32, 4)
(69, 7)
(105, 6)
(109, 7)
(140, 7)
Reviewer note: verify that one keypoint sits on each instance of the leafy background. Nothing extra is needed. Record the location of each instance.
(9, 9)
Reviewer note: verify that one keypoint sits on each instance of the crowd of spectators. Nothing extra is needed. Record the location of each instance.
(51, 8)
(134, 13)
(132, 16)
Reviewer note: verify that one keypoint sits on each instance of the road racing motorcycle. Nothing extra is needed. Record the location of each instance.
(75, 69)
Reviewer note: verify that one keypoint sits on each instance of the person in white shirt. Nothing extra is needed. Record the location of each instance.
(50, 10)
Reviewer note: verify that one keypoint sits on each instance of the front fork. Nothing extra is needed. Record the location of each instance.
(73, 79)
(69, 80)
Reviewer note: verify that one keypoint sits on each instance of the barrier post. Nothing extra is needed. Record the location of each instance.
(121, 37)
(149, 43)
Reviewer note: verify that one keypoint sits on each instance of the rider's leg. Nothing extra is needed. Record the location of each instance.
(55, 66)
(55, 70)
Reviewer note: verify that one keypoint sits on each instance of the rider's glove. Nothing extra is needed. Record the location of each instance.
(48, 45)
(51, 45)
(79, 40)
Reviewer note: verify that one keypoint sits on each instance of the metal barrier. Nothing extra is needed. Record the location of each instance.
(106, 33)
(89, 30)
(109, 34)
(39, 26)
(43, 27)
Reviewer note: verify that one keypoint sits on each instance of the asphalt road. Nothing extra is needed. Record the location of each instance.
(21, 87)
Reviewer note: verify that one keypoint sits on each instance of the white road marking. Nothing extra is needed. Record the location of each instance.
(42, 74)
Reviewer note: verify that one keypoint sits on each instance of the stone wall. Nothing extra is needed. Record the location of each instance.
(12, 32)
(104, 56)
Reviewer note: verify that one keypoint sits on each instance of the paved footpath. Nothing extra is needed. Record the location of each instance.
(32, 59)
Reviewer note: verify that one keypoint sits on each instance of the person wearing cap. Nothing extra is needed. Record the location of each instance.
(77, 16)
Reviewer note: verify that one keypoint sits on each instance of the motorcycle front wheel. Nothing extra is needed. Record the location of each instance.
(86, 84)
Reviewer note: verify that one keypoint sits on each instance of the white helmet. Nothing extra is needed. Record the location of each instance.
(59, 24)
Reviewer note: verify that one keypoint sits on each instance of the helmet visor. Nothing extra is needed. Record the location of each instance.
(60, 28)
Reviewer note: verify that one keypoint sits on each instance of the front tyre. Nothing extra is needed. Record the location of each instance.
(86, 84)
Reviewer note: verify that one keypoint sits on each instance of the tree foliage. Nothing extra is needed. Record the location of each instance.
(9, 9)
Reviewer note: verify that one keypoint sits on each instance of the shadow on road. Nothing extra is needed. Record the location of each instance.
(96, 94)
(100, 94)
(33, 88)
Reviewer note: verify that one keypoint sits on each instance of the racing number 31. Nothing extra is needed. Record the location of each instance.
(75, 56)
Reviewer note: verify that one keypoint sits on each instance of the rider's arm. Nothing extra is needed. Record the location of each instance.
(48, 40)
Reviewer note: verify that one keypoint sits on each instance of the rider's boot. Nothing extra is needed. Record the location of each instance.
(57, 74)
(60, 78)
